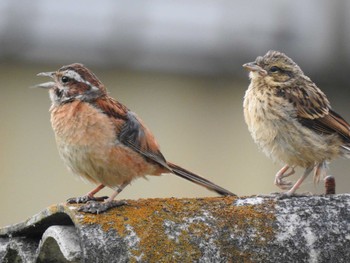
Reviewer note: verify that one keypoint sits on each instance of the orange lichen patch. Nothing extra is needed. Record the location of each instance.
(254, 220)
(62, 208)
(52, 209)
(147, 217)
(167, 227)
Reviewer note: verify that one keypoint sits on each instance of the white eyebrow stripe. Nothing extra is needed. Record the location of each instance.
(74, 75)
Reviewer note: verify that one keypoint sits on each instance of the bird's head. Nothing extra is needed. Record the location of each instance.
(73, 82)
(274, 69)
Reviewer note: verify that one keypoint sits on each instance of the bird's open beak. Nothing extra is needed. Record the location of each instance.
(46, 85)
(252, 66)
(46, 74)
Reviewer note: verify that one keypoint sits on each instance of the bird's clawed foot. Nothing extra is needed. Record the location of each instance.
(282, 184)
(84, 199)
(94, 207)
(279, 178)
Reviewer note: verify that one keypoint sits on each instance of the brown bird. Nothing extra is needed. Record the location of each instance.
(291, 119)
(101, 140)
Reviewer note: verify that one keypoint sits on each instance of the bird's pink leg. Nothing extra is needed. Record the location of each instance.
(120, 188)
(300, 181)
(96, 190)
(283, 174)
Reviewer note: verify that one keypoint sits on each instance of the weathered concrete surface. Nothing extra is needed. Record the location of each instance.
(60, 242)
(229, 229)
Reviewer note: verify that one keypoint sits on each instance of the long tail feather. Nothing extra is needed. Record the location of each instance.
(179, 171)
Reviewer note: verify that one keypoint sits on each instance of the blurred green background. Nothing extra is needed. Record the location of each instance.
(178, 66)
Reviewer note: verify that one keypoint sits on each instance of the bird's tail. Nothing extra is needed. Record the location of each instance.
(179, 171)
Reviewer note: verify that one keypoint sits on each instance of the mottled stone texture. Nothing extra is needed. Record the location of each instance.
(229, 229)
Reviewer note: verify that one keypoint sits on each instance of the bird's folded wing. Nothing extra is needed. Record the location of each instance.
(313, 111)
(131, 131)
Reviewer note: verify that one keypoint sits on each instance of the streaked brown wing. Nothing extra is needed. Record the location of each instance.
(329, 124)
(314, 112)
(310, 102)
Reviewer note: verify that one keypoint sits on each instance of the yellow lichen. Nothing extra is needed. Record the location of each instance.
(257, 219)
(147, 218)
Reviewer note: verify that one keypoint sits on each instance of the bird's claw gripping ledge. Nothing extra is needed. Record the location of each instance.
(84, 199)
(94, 207)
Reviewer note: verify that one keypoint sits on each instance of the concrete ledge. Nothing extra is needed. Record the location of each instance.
(222, 229)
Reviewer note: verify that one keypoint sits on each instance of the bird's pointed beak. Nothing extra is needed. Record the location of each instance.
(46, 74)
(46, 85)
(252, 66)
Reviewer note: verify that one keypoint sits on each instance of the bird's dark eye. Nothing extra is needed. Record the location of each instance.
(64, 79)
(274, 69)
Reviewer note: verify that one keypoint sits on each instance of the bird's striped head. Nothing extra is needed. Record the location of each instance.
(73, 82)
